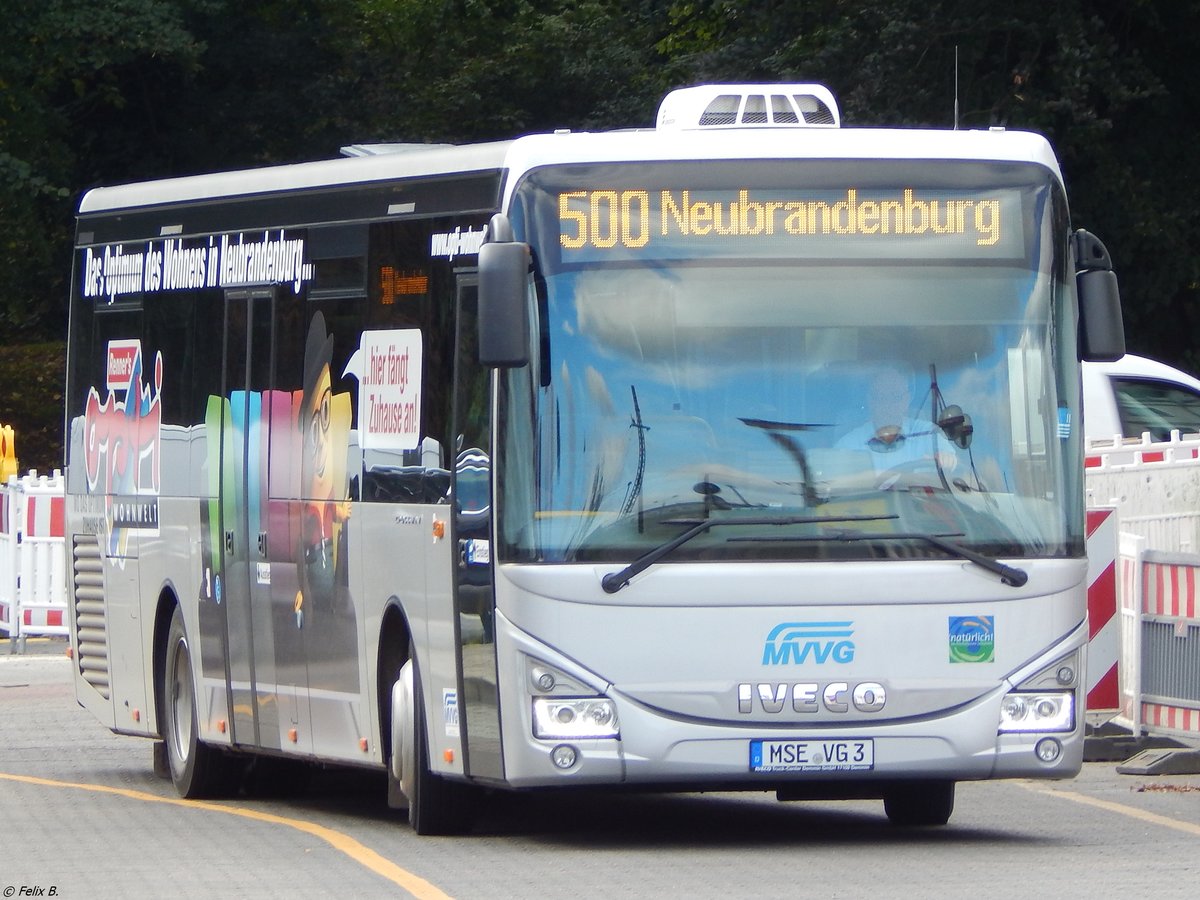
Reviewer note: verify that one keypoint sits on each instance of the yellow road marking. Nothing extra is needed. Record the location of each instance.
(1121, 808)
(364, 856)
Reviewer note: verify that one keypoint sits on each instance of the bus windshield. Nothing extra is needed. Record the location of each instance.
(836, 361)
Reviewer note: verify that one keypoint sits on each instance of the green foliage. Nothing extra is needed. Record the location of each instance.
(67, 88)
(473, 70)
(1105, 81)
(32, 376)
(99, 93)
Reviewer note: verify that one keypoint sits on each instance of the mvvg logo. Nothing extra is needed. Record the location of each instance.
(794, 643)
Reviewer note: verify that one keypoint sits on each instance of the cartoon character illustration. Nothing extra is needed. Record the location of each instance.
(323, 601)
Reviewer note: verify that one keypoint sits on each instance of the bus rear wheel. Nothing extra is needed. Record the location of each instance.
(920, 803)
(196, 769)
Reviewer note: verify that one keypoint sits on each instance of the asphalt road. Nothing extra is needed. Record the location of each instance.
(84, 816)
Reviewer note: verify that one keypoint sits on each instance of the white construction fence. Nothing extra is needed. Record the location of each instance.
(1154, 489)
(33, 578)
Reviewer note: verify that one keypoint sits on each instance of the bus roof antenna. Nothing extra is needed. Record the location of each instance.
(956, 87)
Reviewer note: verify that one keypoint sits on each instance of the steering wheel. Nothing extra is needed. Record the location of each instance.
(911, 473)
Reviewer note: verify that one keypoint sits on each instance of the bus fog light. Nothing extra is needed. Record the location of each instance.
(574, 718)
(564, 756)
(1048, 750)
(1043, 711)
(1065, 675)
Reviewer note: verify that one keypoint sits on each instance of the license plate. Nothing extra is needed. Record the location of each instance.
(812, 755)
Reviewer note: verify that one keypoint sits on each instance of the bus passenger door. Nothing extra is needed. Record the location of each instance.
(246, 580)
(474, 602)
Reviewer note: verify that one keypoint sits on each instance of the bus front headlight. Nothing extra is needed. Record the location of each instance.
(560, 718)
(1040, 711)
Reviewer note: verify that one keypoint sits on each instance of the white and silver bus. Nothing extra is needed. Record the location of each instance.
(739, 453)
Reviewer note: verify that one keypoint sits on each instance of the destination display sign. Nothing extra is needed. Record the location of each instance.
(908, 222)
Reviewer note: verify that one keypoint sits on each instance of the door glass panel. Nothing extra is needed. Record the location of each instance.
(472, 522)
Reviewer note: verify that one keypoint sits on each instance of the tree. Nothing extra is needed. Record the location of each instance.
(431, 70)
(135, 89)
(65, 84)
(1106, 81)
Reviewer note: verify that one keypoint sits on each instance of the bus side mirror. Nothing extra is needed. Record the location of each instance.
(1101, 329)
(503, 305)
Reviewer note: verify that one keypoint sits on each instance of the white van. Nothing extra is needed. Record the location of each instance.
(1135, 395)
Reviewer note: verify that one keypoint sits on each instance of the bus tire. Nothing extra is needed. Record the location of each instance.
(195, 768)
(435, 805)
(919, 803)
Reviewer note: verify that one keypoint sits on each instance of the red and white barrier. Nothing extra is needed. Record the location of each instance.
(9, 617)
(1167, 719)
(33, 584)
(1169, 589)
(1170, 689)
(1104, 640)
(1107, 453)
(1155, 488)
(1160, 640)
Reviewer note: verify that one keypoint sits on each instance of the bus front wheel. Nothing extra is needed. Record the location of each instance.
(920, 803)
(435, 805)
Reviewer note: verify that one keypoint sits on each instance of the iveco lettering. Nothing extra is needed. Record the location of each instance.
(811, 697)
(736, 452)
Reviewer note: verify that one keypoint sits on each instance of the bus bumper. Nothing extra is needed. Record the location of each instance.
(659, 750)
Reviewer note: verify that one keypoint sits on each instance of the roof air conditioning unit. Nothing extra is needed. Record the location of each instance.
(749, 106)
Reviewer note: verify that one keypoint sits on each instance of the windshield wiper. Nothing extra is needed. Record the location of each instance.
(614, 581)
(1010, 575)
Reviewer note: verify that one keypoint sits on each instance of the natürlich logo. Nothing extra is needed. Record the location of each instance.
(972, 639)
(794, 643)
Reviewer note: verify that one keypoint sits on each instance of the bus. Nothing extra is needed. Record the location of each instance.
(738, 453)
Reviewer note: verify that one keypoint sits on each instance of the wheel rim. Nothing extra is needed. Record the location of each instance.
(404, 733)
(181, 702)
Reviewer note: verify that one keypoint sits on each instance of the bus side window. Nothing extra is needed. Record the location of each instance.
(409, 292)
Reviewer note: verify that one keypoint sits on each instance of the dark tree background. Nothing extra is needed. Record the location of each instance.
(125, 90)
